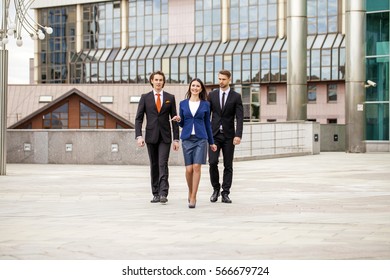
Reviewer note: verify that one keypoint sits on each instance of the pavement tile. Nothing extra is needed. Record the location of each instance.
(326, 206)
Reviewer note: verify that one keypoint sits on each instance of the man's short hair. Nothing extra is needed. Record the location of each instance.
(226, 73)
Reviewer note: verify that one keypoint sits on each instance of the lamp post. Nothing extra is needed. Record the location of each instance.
(3, 86)
(13, 28)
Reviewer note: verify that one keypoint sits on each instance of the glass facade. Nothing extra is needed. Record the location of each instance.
(55, 50)
(377, 70)
(253, 52)
(208, 18)
(101, 25)
(148, 22)
(253, 19)
(322, 16)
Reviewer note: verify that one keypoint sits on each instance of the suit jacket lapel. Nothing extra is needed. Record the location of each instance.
(188, 105)
(218, 100)
(164, 100)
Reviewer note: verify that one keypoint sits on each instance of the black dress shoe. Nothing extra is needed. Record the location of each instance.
(163, 199)
(215, 195)
(226, 199)
(155, 199)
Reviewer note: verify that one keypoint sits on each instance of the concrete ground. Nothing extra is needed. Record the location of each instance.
(331, 206)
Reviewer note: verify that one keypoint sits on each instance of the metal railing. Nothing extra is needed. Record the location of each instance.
(118, 146)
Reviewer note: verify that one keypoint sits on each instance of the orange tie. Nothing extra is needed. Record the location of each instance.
(158, 102)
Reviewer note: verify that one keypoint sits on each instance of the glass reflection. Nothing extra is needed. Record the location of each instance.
(256, 55)
(377, 122)
(377, 34)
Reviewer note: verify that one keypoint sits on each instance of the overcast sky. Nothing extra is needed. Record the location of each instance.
(19, 57)
(18, 61)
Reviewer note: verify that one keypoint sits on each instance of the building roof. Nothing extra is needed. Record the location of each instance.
(66, 95)
(25, 100)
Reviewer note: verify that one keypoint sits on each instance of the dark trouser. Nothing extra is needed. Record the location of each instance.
(226, 145)
(158, 156)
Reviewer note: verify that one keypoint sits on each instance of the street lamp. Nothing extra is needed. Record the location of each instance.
(13, 27)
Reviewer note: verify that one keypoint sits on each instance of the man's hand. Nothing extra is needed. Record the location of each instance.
(175, 145)
(236, 141)
(140, 141)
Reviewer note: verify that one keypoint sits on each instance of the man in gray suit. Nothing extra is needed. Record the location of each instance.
(227, 125)
(159, 107)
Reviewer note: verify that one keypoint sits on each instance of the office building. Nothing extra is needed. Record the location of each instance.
(122, 42)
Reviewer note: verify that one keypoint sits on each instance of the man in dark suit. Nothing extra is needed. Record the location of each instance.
(159, 107)
(226, 109)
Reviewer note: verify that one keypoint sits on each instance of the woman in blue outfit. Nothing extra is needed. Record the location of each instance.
(195, 120)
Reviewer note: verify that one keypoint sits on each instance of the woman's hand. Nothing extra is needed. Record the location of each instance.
(213, 147)
(176, 119)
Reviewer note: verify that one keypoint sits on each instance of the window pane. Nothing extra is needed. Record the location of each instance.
(377, 122)
(89, 117)
(377, 5)
(376, 71)
(332, 93)
(271, 95)
(312, 93)
(377, 34)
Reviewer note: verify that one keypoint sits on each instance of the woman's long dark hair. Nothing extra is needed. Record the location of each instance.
(202, 94)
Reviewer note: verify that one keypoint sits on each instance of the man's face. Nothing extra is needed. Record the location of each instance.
(158, 82)
(224, 81)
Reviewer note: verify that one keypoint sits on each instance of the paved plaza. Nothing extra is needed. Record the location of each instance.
(331, 206)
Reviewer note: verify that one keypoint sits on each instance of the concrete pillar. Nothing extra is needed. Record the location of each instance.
(342, 24)
(37, 70)
(225, 20)
(79, 28)
(124, 24)
(281, 19)
(3, 89)
(296, 60)
(355, 75)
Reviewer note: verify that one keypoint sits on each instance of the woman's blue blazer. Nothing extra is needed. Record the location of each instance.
(201, 121)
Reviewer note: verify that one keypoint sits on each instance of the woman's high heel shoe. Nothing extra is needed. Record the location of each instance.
(191, 205)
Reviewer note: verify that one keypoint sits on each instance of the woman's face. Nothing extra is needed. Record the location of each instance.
(196, 88)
